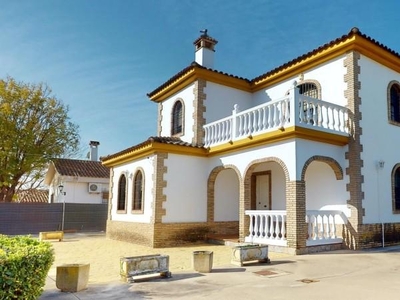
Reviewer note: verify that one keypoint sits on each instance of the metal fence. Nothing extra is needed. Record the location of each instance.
(32, 218)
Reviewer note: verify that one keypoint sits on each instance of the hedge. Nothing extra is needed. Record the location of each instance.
(24, 264)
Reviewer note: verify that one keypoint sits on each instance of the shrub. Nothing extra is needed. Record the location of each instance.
(24, 264)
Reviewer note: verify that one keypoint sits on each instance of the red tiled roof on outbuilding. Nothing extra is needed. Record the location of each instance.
(81, 168)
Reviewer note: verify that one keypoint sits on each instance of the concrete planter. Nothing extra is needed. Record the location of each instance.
(144, 265)
(249, 253)
(72, 277)
(51, 235)
(202, 261)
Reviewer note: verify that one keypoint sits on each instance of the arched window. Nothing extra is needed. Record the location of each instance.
(396, 188)
(177, 118)
(394, 103)
(121, 193)
(309, 89)
(138, 181)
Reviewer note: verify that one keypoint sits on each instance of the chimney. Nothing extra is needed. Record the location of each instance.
(204, 50)
(93, 155)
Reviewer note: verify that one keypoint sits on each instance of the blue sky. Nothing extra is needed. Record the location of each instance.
(101, 57)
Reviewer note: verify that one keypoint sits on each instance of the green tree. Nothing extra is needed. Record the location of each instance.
(34, 127)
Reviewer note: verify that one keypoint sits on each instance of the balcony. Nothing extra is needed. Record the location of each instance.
(293, 110)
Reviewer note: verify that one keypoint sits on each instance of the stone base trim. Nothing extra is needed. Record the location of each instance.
(162, 235)
(172, 234)
(370, 235)
(137, 233)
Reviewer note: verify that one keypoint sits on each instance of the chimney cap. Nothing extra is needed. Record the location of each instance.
(94, 143)
(205, 37)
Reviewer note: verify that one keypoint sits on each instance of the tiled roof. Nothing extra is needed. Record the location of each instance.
(158, 139)
(81, 168)
(33, 196)
(353, 31)
(186, 70)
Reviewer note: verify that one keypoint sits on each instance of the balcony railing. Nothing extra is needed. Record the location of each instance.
(292, 110)
(269, 227)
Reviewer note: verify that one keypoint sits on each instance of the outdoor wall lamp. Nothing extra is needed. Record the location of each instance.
(380, 164)
(61, 188)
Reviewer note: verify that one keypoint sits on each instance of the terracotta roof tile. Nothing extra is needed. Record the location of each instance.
(81, 168)
(353, 31)
(186, 70)
(158, 139)
(33, 196)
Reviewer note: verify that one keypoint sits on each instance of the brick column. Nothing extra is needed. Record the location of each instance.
(355, 162)
(296, 216)
(244, 204)
(199, 110)
(159, 183)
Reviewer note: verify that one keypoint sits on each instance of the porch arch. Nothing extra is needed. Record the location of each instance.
(253, 164)
(245, 195)
(245, 201)
(337, 169)
(211, 188)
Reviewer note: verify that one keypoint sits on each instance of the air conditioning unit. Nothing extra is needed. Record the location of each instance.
(94, 187)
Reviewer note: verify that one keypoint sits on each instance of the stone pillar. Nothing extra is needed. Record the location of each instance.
(296, 216)
(354, 154)
(244, 204)
(199, 109)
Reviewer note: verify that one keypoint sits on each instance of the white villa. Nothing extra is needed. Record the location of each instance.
(303, 158)
(78, 181)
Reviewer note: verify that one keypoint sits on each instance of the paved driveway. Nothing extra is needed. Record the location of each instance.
(373, 274)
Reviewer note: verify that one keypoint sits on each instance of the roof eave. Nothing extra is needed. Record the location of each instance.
(152, 148)
(50, 174)
(192, 74)
(354, 41)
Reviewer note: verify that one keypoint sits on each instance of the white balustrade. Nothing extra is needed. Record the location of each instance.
(273, 115)
(322, 114)
(269, 227)
(323, 226)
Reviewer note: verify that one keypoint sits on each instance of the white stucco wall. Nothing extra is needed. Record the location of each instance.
(329, 75)
(146, 165)
(76, 189)
(282, 150)
(186, 189)
(221, 101)
(323, 190)
(226, 197)
(380, 141)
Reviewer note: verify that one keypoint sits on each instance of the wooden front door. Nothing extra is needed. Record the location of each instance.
(261, 191)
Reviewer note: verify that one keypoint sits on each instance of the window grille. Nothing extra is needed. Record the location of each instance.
(121, 193)
(395, 103)
(177, 118)
(138, 191)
